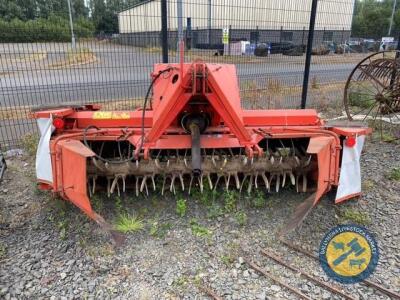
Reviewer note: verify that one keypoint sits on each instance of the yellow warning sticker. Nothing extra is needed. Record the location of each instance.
(106, 115)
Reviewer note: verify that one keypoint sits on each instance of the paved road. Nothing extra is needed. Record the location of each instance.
(124, 72)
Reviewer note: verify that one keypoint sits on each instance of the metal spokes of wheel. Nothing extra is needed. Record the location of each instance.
(372, 91)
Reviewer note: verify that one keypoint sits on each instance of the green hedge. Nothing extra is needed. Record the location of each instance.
(53, 29)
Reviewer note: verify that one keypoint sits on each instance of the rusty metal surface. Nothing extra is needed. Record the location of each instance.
(372, 90)
(277, 280)
(331, 288)
(379, 287)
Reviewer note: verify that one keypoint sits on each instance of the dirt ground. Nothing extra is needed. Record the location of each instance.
(49, 250)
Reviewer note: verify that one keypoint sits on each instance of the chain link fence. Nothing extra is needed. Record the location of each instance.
(111, 63)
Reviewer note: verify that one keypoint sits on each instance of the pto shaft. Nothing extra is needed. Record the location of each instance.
(196, 155)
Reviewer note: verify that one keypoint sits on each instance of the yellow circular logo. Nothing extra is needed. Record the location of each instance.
(348, 253)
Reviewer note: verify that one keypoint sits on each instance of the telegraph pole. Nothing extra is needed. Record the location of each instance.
(71, 24)
(391, 18)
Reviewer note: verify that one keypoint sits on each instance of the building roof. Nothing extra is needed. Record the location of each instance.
(135, 5)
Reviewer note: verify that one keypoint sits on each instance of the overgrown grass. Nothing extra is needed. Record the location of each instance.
(126, 223)
(395, 174)
(199, 230)
(159, 230)
(30, 142)
(241, 218)
(181, 207)
(76, 56)
(353, 215)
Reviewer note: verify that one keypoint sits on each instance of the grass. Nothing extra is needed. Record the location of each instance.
(259, 199)
(75, 57)
(181, 207)
(3, 251)
(30, 142)
(199, 230)
(395, 174)
(126, 223)
(354, 216)
(241, 218)
(230, 201)
(159, 230)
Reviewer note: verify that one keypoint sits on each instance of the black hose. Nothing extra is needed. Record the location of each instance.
(143, 116)
(145, 103)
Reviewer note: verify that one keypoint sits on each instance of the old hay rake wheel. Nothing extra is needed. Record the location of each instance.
(372, 91)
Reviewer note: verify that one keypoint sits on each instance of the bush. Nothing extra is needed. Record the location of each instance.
(53, 29)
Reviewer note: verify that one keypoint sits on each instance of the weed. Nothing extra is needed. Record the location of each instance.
(368, 185)
(259, 200)
(215, 211)
(3, 251)
(395, 174)
(230, 201)
(359, 99)
(181, 281)
(62, 226)
(128, 223)
(314, 83)
(241, 218)
(118, 204)
(227, 259)
(159, 230)
(199, 230)
(353, 215)
(29, 142)
(97, 203)
(181, 207)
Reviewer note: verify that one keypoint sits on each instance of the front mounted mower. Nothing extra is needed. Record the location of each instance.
(194, 133)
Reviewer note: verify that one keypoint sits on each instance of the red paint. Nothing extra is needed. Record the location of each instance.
(350, 141)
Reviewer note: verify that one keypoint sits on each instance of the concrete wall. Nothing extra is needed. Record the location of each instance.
(266, 14)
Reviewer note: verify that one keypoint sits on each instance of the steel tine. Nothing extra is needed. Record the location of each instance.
(154, 182)
(304, 183)
(308, 161)
(172, 186)
(94, 184)
(163, 185)
(89, 188)
(237, 180)
(143, 183)
(227, 180)
(137, 186)
(249, 188)
(123, 177)
(283, 179)
(157, 163)
(137, 164)
(118, 191)
(297, 160)
(108, 187)
(182, 183)
(243, 181)
(213, 161)
(297, 183)
(200, 178)
(209, 181)
(278, 182)
(114, 183)
(292, 180)
(255, 180)
(265, 180)
(216, 182)
(245, 160)
(190, 183)
(272, 160)
(224, 163)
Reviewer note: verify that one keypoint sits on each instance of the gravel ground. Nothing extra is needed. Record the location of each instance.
(48, 249)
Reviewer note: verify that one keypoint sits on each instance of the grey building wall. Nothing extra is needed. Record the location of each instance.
(199, 37)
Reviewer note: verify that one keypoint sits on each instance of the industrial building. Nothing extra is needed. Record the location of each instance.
(254, 21)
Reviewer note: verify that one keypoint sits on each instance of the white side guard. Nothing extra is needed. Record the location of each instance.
(43, 158)
(350, 173)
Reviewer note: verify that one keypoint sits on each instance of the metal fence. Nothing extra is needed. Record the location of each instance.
(266, 40)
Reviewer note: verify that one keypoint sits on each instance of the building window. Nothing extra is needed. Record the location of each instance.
(328, 36)
(286, 36)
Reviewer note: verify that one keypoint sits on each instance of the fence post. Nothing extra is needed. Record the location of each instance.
(308, 53)
(230, 36)
(164, 31)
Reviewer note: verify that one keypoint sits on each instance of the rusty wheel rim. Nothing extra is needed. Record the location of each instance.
(373, 88)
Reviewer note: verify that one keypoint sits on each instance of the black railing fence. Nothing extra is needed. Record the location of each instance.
(114, 53)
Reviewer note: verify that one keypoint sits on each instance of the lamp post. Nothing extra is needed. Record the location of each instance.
(71, 25)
